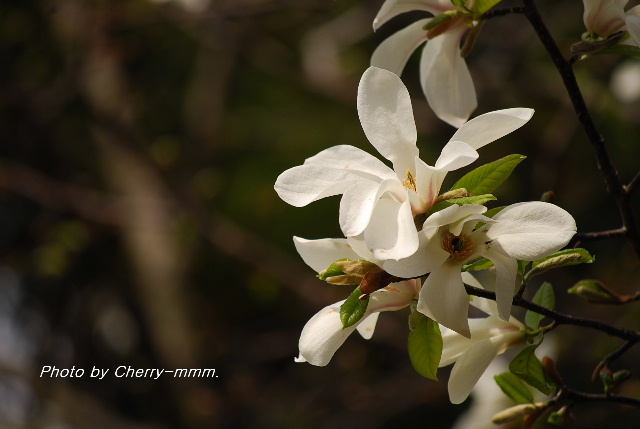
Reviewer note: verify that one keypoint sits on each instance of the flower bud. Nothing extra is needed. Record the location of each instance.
(515, 412)
(595, 291)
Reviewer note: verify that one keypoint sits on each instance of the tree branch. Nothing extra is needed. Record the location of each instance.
(561, 318)
(605, 164)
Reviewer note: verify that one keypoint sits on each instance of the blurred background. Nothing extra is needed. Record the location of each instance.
(139, 144)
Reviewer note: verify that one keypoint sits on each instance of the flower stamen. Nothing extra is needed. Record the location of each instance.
(460, 247)
(409, 182)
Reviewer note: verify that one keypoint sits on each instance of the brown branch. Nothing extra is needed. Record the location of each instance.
(561, 318)
(605, 164)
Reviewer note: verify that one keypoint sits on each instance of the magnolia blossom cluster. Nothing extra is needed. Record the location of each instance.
(406, 241)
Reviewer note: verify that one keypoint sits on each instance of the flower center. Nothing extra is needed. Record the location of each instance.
(409, 182)
(460, 247)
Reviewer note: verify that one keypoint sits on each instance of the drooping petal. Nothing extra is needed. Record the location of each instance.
(391, 8)
(323, 335)
(470, 366)
(320, 254)
(304, 184)
(490, 126)
(391, 233)
(446, 80)
(367, 326)
(531, 230)
(506, 272)
(386, 115)
(444, 299)
(394, 52)
(352, 159)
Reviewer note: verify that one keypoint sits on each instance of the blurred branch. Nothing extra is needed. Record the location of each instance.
(605, 164)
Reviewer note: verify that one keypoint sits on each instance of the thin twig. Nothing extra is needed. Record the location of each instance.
(605, 164)
(503, 11)
(561, 318)
(601, 235)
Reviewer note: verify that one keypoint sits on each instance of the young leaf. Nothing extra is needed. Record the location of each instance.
(425, 347)
(486, 178)
(474, 199)
(514, 388)
(596, 291)
(562, 258)
(483, 6)
(479, 264)
(332, 271)
(619, 49)
(545, 298)
(353, 308)
(527, 366)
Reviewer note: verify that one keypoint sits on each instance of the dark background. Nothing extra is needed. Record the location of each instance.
(139, 144)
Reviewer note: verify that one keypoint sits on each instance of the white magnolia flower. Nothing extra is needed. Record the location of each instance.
(449, 238)
(324, 334)
(605, 17)
(444, 75)
(490, 337)
(380, 202)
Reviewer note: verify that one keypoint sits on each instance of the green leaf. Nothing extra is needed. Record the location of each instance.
(563, 258)
(479, 264)
(629, 50)
(527, 366)
(353, 308)
(545, 298)
(459, 3)
(595, 291)
(486, 178)
(474, 199)
(425, 347)
(483, 6)
(514, 388)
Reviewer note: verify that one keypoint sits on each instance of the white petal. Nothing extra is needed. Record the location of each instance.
(505, 288)
(386, 115)
(367, 326)
(453, 214)
(604, 17)
(429, 256)
(392, 54)
(486, 128)
(446, 80)
(391, 8)
(531, 230)
(454, 155)
(633, 26)
(428, 183)
(444, 299)
(453, 345)
(469, 367)
(356, 207)
(304, 184)
(489, 306)
(359, 246)
(323, 335)
(391, 233)
(354, 160)
(320, 254)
